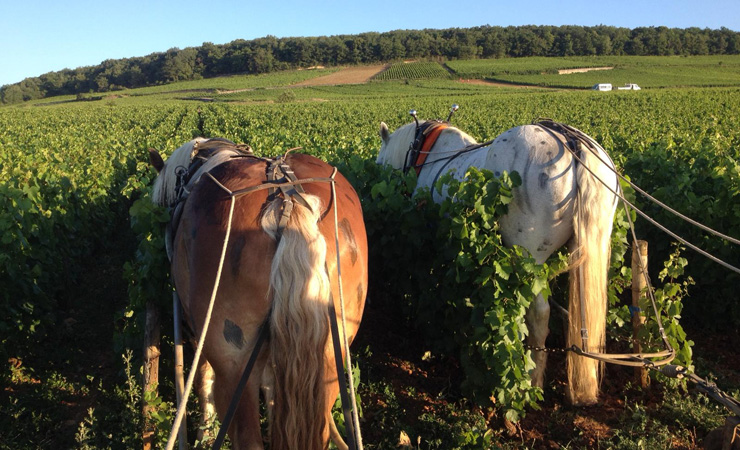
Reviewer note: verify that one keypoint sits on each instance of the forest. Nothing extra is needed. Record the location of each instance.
(268, 54)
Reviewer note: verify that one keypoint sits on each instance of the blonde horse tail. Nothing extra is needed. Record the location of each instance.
(590, 253)
(299, 327)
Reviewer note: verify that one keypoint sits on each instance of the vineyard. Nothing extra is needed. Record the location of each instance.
(82, 252)
(413, 71)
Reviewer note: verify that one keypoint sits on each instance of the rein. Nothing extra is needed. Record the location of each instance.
(281, 180)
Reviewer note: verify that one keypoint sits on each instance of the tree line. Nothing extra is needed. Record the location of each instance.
(269, 53)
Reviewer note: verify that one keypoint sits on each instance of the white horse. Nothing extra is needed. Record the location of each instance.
(559, 201)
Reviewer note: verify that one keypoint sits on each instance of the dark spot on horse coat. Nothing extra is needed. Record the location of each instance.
(346, 230)
(233, 334)
(545, 246)
(543, 180)
(236, 254)
(360, 293)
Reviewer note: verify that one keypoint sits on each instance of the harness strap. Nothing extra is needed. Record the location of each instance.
(341, 376)
(261, 337)
(279, 172)
(280, 180)
(573, 137)
(419, 146)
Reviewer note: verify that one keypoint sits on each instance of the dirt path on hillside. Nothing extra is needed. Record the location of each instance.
(582, 70)
(348, 75)
(501, 84)
(515, 85)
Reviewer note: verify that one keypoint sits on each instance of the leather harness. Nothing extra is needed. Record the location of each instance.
(425, 138)
(280, 181)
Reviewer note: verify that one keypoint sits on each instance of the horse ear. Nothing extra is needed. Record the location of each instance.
(384, 133)
(156, 160)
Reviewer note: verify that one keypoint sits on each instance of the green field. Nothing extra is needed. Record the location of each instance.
(77, 262)
(646, 71)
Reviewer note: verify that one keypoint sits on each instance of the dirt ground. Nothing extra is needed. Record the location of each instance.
(348, 75)
(500, 84)
(581, 70)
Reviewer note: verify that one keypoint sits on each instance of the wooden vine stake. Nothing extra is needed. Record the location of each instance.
(639, 284)
(152, 335)
(179, 369)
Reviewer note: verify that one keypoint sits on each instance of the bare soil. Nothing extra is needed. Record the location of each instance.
(417, 383)
(500, 84)
(348, 75)
(582, 70)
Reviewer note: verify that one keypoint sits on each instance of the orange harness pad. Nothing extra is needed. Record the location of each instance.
(429, 141)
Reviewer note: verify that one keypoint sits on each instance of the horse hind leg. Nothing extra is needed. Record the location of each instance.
(538, 316)
(207, 407)
(244, 431)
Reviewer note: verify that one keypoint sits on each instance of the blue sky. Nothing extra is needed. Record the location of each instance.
(40, 36)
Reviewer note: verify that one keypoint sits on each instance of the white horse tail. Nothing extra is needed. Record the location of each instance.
(590, 252)
(299, 327)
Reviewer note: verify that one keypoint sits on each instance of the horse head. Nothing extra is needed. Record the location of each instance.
(164, 191)
(395, 145)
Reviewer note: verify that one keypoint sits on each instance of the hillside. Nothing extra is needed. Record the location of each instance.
(270, 54)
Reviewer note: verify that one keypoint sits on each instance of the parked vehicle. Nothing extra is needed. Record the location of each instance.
(602, 87)
(629, 87)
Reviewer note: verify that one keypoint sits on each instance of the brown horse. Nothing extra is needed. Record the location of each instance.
(277, 267)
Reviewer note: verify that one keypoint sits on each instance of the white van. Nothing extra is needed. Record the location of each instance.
(602, 87)
(629, 87)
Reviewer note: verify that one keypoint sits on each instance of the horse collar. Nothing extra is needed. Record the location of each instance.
(425, 138)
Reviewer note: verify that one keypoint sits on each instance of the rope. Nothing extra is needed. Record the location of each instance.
(353, 399)
(656, 223)
(623, 359)
(201, 340)
(668, 208)
(196, 358)
(709, 388)
(636, 360)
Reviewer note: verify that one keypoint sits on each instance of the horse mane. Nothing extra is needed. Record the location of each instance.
(164, 191)
(393, 152)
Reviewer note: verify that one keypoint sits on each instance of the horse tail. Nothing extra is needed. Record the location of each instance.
(590, 252)
(299, 327)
